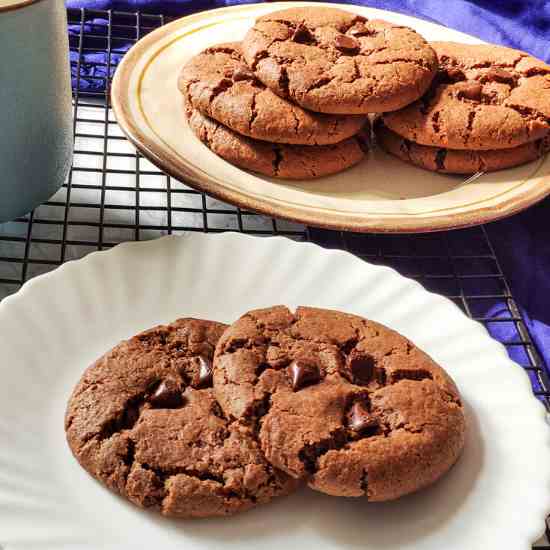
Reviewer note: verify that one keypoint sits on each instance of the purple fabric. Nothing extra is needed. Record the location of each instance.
(522, 242)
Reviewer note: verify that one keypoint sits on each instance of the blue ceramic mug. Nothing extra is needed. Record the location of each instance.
(36, 138)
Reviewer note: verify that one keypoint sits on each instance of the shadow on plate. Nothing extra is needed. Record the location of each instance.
(383, 177)
(349, 523)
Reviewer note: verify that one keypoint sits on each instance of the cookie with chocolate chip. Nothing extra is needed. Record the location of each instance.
(343, 402)
(143, 420)
(458, 161)
(218, 83)
(334, 61)
(276, 159)
(484, 97)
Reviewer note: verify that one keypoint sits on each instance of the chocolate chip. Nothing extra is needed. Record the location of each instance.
(361, 366)
(303, 374)
(346, 43)
(359, 29)
(470, 90)
(205, 372)
(498, 75)
(167, 395)
(454, 75)
(242, 72)
(302, 35)
(360, 419)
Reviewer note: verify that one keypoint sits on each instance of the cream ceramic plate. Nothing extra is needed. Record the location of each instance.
(9, 5)
(380, 194)
(495, 497)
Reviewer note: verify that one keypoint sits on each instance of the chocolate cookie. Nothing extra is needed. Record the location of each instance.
(344, 402)
(334, 61)
(143, 420)
(484, 97)
(456, 161)
(278, 160)
(219, 84)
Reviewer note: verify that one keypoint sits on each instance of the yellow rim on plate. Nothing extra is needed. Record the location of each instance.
(481, 200)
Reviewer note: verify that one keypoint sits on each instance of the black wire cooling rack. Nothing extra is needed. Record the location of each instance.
(113, 194)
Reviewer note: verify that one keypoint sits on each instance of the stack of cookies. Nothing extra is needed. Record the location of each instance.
(199, 419)
(488, 108)
(292, 100)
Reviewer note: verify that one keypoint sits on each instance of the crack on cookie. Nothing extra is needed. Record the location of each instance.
(223, 49)
(236, 344)
(410, 374)
(311, 452)
(297, 122)
(164, 474)
(256, 412)
(531, 114)
(435, 121)
(418, 62)
(125, 420)
(222, 86)
(130, 454)
(283, 82)
(426, 100)
(131, 411)
(216, 410)
(348, 347)
(253, 113)
(356, 71)
(152, 338)
(323, 81)
(471, 117)
(258, 57)
(536, 71)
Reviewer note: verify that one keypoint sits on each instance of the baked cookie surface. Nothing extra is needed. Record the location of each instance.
(143, 420)
(458, 161)
(334, 61)
(218, 83)
(346, 403)
(484, 97)
(276, 159)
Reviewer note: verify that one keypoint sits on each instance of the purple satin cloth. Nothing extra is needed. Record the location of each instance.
(522, 243)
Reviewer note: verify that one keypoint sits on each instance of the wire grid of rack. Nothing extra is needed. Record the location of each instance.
(113, 194)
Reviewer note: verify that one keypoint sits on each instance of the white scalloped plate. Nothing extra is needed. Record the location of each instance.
(381, 193)
(495, 497)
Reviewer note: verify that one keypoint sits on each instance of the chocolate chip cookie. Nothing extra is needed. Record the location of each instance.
(334, 61)
(218, 83)
(144, 421)
(275, 159)
(456, 161)
(483, 97)
(344, 402)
